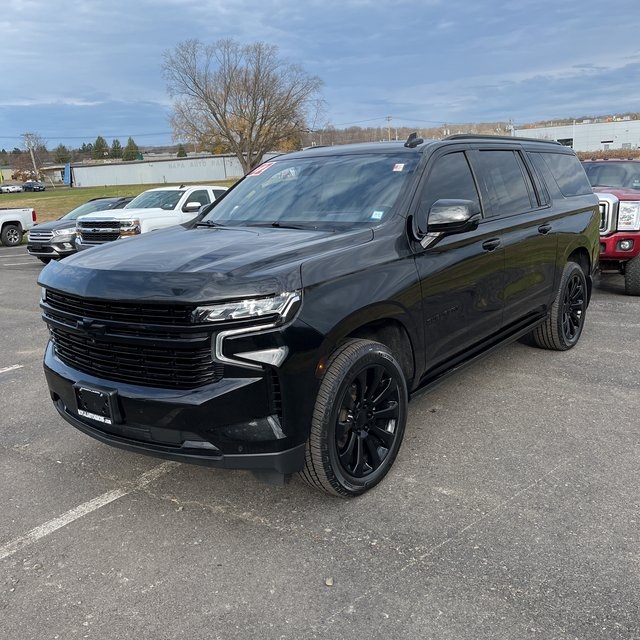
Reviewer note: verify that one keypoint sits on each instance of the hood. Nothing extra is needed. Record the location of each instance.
(123, 214)
(196, 265)
(55, 225)
(619, 192)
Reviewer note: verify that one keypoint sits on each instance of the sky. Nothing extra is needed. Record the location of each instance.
(70, 71)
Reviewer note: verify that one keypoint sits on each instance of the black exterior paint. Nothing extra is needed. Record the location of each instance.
(444, 304)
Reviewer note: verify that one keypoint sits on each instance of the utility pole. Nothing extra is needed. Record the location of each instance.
(389, 119)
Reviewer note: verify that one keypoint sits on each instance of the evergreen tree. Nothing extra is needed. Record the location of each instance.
(100, 149)
(131, 151)
(61, 154)
(181, 151)
(116, 149)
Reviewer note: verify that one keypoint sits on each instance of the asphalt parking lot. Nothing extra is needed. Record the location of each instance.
(512, 511)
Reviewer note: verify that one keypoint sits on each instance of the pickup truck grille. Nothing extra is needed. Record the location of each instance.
(131, 342)
(608, 213)
(35, 235)
(99, 231)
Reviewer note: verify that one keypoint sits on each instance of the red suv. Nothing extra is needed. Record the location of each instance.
(617, 184)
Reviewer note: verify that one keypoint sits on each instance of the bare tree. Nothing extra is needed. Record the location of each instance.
(245, 95)
(35, 145)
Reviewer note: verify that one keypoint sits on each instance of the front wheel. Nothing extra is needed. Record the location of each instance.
(11, 235)
(358, 420)
(563, 327)
(632, 277)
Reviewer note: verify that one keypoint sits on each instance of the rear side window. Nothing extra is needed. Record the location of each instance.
(509, 187)
(568, 173)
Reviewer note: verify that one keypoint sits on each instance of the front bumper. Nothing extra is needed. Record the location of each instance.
(54, 250)
(230, 424)
(610, 246)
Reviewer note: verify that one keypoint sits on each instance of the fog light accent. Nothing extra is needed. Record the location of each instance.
(625, 245)
(274, 357)
(198, 444)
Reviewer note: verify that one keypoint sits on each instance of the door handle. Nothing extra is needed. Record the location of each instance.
(490, 245)
(544, 228)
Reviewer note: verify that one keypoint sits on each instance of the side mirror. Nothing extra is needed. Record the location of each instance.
(453, 216)
(192, 206)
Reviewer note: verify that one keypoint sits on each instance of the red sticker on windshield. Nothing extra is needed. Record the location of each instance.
(261, 169)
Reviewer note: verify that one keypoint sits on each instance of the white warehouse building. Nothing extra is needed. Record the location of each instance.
(589, 136)
(203, 170)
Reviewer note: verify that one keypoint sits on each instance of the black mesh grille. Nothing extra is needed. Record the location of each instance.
(103, 224)
(167, 366)
(130, 312)
(89, 236)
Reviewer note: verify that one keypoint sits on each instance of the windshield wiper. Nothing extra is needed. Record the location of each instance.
(281, 225)
(207, 223)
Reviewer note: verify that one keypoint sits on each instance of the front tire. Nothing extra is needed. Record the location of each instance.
(632, 277)
(563, 327)
(358, 420)
(11, 235)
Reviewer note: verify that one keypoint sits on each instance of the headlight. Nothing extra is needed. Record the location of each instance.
(280, 306)
(60, 233)
(129, 227)
(629, 216)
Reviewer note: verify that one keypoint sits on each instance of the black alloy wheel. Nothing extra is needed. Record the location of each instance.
(358, 421)
(563, 326)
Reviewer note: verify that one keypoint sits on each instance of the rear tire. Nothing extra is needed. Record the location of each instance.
(563, 327)
(358, 420)
(632, 277)
(11, 235)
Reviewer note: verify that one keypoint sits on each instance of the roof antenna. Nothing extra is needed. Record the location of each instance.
(413, 141)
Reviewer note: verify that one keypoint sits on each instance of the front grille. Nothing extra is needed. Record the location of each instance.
(133, 342)
(36, 235)
(167, 366)
(608, 213)
(135, 313)
(89, 236)
(102, 224)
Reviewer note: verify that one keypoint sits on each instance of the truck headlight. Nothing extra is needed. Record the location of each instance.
(130, 227)
(63, 233)
(629, 216)
(279, 307)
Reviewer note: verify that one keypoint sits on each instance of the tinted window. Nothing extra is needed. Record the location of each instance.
(508, 186)
(450, 178)
(568, 173)
(200, 196)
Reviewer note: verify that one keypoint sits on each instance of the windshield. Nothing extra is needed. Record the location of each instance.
(319, 191)
(156, 200)
(614, 174)
(88, 207)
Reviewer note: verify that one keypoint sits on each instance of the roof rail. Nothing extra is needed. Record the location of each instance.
(479, 136)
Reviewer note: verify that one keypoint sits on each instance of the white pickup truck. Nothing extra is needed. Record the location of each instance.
(151, 210)
(14, 223)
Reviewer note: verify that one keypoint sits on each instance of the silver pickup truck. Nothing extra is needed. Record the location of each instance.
(14, 223)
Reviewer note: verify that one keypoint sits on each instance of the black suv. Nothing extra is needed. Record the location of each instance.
(285, 329)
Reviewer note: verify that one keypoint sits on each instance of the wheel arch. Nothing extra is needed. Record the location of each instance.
(581, 257)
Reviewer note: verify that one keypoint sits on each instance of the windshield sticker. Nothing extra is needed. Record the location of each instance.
(261, 169)
(377, 215)
(398, 167)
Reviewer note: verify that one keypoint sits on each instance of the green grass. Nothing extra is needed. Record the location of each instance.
(53, 203)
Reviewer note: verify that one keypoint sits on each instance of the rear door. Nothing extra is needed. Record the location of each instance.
(516, 200)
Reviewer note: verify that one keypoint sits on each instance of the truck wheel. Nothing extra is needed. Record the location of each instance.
(11, 235)
(562, 328)
(632, 277)
(358, 420)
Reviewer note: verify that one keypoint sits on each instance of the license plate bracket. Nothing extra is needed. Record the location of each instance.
(96, 403)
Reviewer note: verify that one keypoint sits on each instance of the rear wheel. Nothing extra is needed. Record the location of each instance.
(358, 421)
(632, 277)
(563, 327)
(11, 235)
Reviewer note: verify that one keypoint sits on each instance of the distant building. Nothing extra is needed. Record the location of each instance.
(588, 135)
(203, 169)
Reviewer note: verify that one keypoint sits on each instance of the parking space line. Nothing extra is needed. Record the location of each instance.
(13, 367)
(18, 264)
(70, 516)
